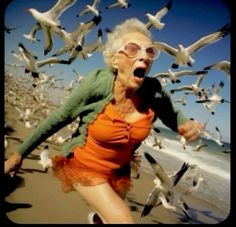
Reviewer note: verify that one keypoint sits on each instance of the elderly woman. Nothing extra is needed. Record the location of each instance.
(117, 107)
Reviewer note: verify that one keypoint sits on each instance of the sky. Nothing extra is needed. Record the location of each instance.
(186, 22)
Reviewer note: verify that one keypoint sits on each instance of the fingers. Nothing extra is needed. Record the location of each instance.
(191, 130)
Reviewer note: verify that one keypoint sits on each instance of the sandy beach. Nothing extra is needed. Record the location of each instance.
(34, 196)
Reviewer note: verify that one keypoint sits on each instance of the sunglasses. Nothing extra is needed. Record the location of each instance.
(132, 50)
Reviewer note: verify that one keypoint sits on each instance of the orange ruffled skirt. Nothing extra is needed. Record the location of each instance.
(70, 171)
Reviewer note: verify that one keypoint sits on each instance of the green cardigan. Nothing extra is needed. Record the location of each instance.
(88, 99)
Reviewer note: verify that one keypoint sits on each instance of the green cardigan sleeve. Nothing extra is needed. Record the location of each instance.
(67, 113)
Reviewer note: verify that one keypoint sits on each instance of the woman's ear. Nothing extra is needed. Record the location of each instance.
(114, 62)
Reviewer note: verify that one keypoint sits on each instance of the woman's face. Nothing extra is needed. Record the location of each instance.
(132, 69)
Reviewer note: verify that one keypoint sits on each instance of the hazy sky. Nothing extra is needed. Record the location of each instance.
(186, 22)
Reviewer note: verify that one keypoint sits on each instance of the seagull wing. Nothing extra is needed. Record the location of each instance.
(151, 201)
(164, 10)
(222, 65)
(113, 5)
(165, 47)
(83, 29)
(182, 88)
(50, 61)
(161, 75)
(158, 170)
(199, 147)
(209, 39)
(48, 43)
(184, 72)
(180, 173)
(60, 7)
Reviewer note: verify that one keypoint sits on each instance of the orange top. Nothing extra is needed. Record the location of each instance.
(111, 140)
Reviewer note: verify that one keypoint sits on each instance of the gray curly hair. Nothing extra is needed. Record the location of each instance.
(114, 37)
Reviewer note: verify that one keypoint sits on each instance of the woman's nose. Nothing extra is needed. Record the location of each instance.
(143, 55)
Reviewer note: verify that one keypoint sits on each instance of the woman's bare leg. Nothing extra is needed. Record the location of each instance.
(109, 205)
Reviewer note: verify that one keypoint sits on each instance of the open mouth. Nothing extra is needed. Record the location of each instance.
(139, 72)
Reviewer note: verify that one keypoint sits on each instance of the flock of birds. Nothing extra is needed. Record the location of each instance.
(163, 192)
(76, 45)
(32, 105)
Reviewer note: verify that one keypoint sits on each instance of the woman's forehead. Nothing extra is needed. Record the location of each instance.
(136, 37)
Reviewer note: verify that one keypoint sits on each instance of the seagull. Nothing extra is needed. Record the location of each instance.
(61, 139)
(48, 20)
(174, 76)
(218, 138)
(181, 100)
(163, 186)
(197, 180)
(73, 39)
(226, 151)
(78, 76)
(199, 146)
(195, 88)
(45, 161)
(119, 3)
(212, 101)
(32, 33)
(157, 142)
(15, 65)
(91, 8)
(32, 65)
(183, 55)
(221, 65)
(183, 141)
(19, 56)
(8, 29)
(85, 50)
(155, 20)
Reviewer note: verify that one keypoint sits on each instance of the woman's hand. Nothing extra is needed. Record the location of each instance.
(13, 163)
(190, 130)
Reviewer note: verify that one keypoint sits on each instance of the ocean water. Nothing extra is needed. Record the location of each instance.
(214, 165)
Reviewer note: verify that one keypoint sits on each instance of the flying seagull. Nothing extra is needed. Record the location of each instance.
(155, 20)
(163, 186)
(197, 179)
(49, 22)
(8, 29)
(31, 35)
(221, 65)
(91, 8)
(195, 88)
(119, 3)
(183, 55)
(174, 76)
(32, 64)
